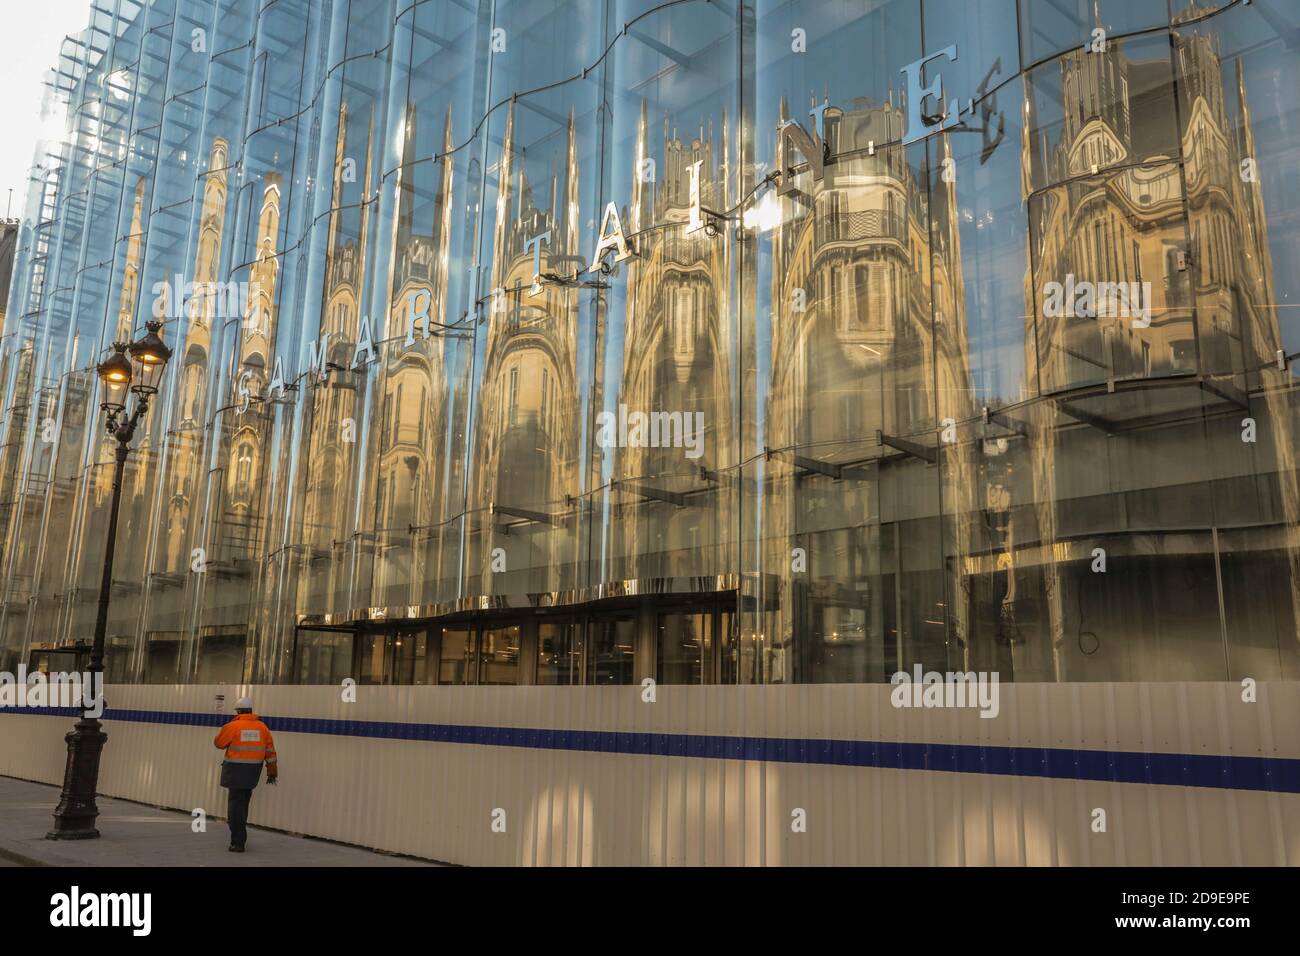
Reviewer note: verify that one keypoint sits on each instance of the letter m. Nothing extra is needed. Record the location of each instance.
(229, 300)
(1112, 300)
(960, 684)
(316, 355)
(115, 909)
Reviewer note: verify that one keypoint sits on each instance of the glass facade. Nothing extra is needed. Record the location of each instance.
(921, 332)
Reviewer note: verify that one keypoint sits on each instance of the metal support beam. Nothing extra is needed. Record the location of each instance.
(522, 513)
(1228, 392)
(677, 56)
(1005, 421)
(829, 469)
(922, 452)
(645, 491)
(1087, 418)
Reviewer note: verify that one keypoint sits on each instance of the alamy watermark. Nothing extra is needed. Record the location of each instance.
(637, 429)
(175, 298)
(133, 911)
(82, 690)
(927, 689)
(1099, 300)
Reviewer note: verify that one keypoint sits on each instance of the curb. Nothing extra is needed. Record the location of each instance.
(21, 860)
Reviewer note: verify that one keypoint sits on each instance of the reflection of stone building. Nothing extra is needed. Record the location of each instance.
(677, 342)
(1110, 203)
(412, 479)
(192, 377)
(329, 500)
(130, 295)
(1238, 324)
(133, 488)
(881, 387)
(242, 521)
(527, 428)
(853, 353)
(1109, 208)
(846, 265)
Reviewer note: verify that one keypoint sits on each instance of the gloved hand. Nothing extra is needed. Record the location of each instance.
(271, 780)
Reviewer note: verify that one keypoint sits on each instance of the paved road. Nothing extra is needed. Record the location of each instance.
(137, 835)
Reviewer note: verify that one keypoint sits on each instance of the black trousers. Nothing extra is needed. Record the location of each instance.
(238, 815)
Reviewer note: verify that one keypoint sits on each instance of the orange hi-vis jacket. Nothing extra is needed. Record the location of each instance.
(247, 740)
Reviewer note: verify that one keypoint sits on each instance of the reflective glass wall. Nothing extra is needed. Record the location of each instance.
(743, 341)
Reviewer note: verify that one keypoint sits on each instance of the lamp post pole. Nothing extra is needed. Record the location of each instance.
(74, 817)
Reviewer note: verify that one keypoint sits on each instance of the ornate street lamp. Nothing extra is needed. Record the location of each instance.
(74, 818)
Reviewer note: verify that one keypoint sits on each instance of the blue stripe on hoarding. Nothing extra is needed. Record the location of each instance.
(1277, 774)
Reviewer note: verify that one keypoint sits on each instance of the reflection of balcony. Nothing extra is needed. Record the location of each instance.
(856, 226)
(240, 533)
(405, 433)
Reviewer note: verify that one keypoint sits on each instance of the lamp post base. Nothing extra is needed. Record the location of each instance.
(74, 818)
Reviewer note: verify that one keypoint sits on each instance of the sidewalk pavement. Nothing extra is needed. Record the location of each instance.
(132, 834)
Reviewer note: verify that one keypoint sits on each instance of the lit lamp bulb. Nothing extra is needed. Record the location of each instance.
(150, 354)
(115, 377)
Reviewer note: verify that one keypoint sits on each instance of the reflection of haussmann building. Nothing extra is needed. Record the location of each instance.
(397, 428)
(375, 455)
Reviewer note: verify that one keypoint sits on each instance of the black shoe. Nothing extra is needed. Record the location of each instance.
(235, 849)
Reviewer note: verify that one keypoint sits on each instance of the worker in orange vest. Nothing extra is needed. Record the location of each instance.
(248, 745)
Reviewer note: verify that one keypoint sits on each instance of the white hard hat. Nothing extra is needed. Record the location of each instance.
(244, 703)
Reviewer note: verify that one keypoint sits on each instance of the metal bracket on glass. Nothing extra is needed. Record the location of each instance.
(1226, 391)
(924, 453)
(530, 517)
(812, 465)
(645, 491)
(672, 53)
(1088, 418)
(1010, 424)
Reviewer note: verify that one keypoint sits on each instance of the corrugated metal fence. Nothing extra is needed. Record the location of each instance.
(1186, 774)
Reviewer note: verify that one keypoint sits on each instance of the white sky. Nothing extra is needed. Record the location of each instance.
(30, 34)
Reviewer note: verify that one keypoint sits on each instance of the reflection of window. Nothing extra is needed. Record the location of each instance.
(454, 660)
(612, 646)
(514, 393)
(833, 216)
(395, 420)
(544, 413)
(683, 318)
(499, 655)
(190, 393)
(881, 292)
(244, 465)
(559, 653)
(408, 657)
(861, 289)
(681, 648)
(841, 304)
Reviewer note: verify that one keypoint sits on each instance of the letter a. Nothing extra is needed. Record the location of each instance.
(610, 240)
